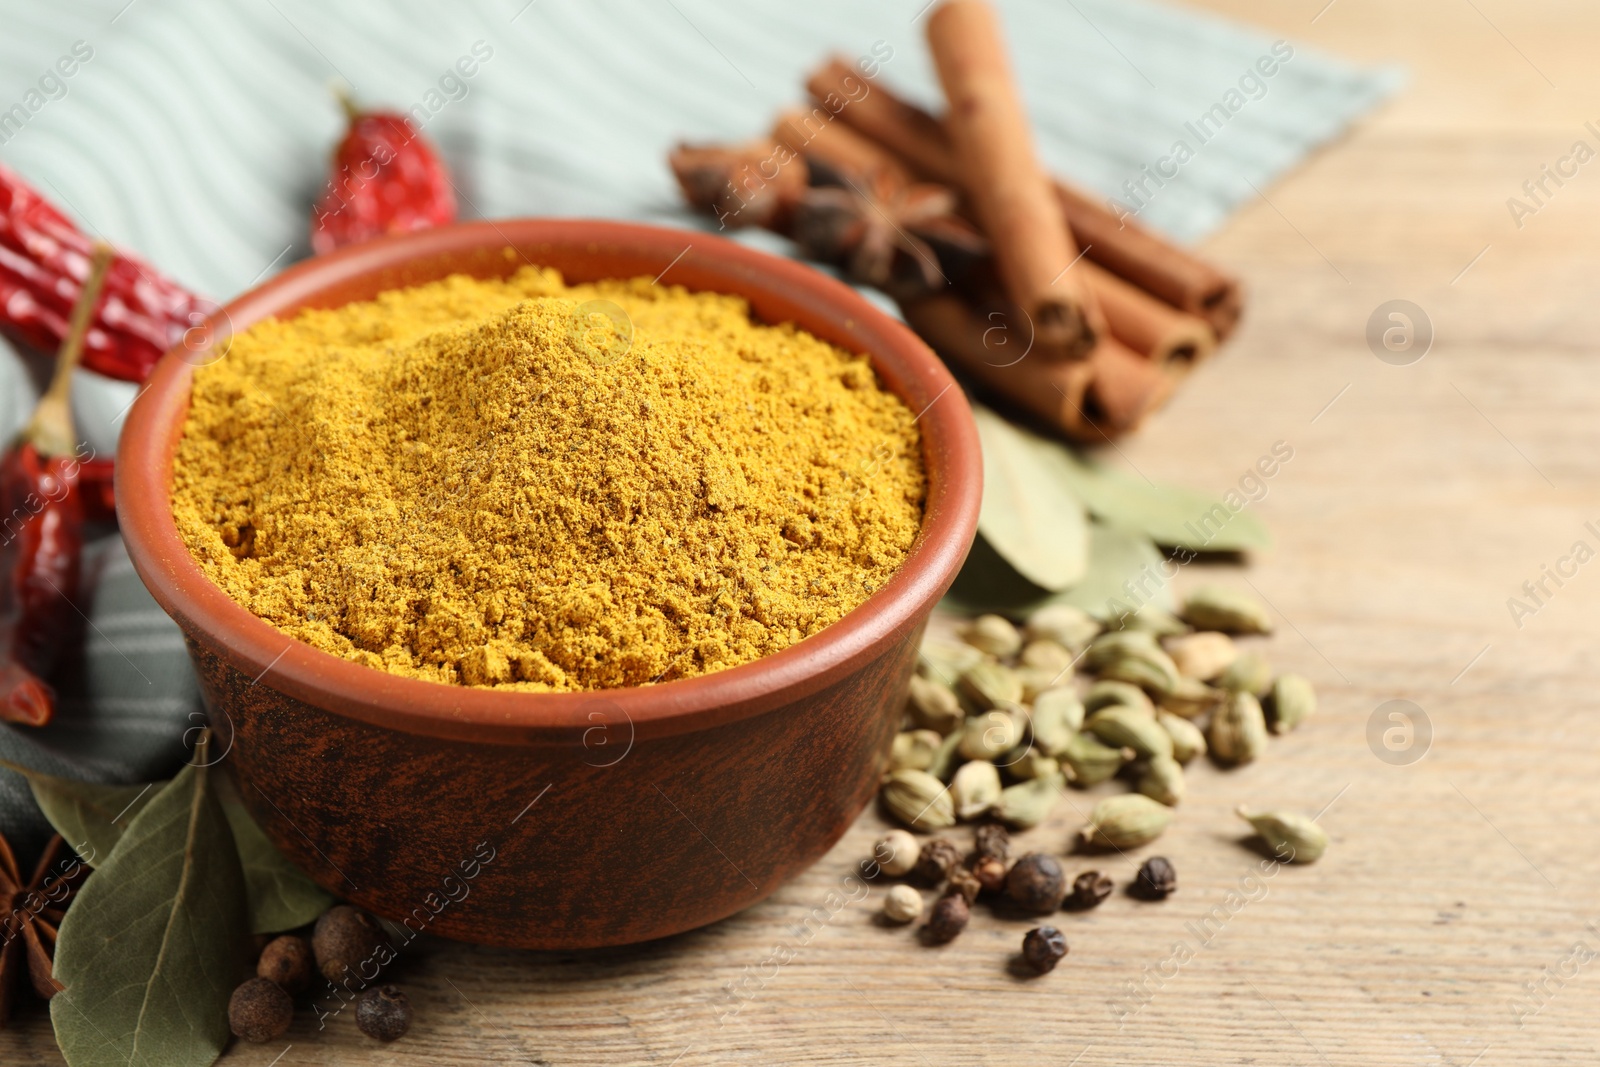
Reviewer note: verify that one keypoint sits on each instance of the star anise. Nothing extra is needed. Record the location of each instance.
(880, 234)
(33, 911)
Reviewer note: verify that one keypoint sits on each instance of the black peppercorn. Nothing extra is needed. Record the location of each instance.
(1036, 883)
(1156, 878)
(1043, 947)
(287, 961)
(343, 939)
(936, 860)
(1088, 890)
(949, 918)
(964, 882)
(259, 1010)
(383, 1012)
(991, 841)
(990, 873)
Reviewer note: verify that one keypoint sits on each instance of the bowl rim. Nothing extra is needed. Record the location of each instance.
(592, 718)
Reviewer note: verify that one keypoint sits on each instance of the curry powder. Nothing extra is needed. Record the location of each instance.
(485, 483)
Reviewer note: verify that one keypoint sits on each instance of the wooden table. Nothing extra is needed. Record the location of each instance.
(1418, 500)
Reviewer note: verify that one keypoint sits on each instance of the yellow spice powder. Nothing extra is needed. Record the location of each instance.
(475, 482)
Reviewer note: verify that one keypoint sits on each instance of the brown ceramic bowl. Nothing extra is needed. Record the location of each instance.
(562, 820)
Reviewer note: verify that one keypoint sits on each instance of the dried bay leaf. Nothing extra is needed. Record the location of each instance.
(1168, 515)
(1030, 513)
(1126, 572)
(280, 895)
(987, 582)
(1117, 558)
(156, 940)
(90, 817)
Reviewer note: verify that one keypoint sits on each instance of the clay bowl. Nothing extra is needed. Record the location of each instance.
(564, 820)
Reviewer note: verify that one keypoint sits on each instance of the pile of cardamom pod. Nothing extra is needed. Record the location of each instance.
(998, 724)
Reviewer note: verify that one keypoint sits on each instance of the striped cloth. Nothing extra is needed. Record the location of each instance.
(198, 133)
(125, 702)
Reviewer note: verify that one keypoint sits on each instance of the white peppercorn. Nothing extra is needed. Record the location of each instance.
(902, 904)
(896, 852)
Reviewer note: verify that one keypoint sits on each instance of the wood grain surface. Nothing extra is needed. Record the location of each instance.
(1450, 922)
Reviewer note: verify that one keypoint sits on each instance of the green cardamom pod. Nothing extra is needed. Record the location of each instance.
(995, 635)
(1092, 762)
(1105, 693)
(1070, 627)
(1036, 680)
(1187, 740)
(919, 800)
(1250, 673)
(974, 789)
(1212, 607)
(1057, 717)
(944, 761)
(1027, 804)
(945, 661)
(1190, 698)
(914, 750)
(1238, 732)
(1162, 780)
(934, 706)
(1149, 669)
(1202, 656)
(1126, 821)
(1153, 620)
(1050, 655)
(989, 686)
(1292, 838)
(1116, 645)
(988, 735)
(1030, 764)
(1124, 727)
(1293, 701)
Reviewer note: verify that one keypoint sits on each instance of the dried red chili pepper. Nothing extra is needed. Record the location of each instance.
(41, 555)
(23, 698)
(44, 260)
(42, 561)
(95, 485)
(386, 179)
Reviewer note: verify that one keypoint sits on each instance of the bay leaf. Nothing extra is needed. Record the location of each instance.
(1168, 515)
(1126, 571)
(156, 940)
(89, 816)
(280, 895)
(987, 583)
(1030, 514)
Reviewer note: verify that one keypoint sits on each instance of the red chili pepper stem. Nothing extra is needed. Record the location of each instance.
(347, 102)
(51, 430)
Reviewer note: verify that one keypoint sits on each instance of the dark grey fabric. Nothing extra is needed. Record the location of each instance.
(126, 700)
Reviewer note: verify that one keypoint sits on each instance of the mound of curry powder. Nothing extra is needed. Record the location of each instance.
(515, 483)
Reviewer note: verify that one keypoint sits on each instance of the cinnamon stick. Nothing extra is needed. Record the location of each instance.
(836, 154)
(903, 128)
(1092, 400)
(1156, 330)
(1154, 264)
(1008, 190)
(752, 184)
(1173, 339)
(1121, 245)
